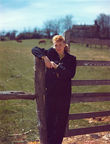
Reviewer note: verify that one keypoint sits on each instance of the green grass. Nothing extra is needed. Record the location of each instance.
(17, 74)
(90, 73)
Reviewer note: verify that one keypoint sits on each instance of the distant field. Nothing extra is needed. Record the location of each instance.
(17, 74)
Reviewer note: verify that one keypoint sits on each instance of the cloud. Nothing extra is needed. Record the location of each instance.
(21, 17)
(20, 14)
(31, 15)
(39, 4)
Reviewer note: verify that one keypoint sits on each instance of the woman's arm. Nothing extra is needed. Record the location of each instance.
(67, 70)
(39, 52)
(42, 53)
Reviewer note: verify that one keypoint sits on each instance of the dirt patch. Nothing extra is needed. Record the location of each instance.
(97, 138)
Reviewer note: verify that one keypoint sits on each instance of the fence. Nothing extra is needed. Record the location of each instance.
(89, 97)
(76, 98)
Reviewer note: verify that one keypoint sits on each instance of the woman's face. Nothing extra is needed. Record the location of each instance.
(59, 46)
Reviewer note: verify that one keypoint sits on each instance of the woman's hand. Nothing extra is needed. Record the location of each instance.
(48, 63)
(54, 65)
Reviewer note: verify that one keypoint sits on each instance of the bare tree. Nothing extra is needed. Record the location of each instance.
(48, 28)
(58, 26)
(52, 27)
(103, 21)
(67, 22)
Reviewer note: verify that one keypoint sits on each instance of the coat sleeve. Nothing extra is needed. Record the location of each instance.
(67, 69)
(39, 52)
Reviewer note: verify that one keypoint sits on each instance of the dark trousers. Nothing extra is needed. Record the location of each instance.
(57, 111)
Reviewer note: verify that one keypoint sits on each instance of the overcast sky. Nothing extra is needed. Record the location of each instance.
(28, 14)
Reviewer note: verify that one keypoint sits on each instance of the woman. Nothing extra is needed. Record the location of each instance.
(61, 67)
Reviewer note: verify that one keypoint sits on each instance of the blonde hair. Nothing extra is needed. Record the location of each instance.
(59, 38)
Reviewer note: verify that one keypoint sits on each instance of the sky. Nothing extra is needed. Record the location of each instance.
(28, 14)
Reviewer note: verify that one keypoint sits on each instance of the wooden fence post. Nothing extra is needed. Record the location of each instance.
(40, 98)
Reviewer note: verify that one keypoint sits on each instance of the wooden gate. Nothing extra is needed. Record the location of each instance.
(89, 97)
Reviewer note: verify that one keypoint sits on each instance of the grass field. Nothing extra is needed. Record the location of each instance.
(17, 74)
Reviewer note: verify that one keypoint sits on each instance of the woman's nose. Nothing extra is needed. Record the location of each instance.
(58, 47)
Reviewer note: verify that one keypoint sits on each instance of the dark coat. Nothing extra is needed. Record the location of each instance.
(58, 89)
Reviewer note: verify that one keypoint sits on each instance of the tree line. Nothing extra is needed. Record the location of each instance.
(58, 26)
(103, 22)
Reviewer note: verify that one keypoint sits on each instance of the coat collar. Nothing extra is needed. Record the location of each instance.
(58, 54)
